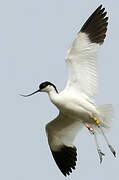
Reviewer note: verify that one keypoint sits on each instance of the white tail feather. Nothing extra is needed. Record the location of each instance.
(105, 116)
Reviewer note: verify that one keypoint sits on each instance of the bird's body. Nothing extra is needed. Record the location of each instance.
(75, 103)
(79, 107)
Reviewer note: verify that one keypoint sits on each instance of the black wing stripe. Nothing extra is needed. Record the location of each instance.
(96, 26)
(65, 159)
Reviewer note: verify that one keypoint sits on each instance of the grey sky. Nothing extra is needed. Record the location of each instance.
(34, 37)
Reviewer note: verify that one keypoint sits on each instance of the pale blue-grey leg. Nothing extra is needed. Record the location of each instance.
(110, 146)
(91, 130)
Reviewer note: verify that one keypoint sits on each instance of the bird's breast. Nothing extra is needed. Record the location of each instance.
(77, 107)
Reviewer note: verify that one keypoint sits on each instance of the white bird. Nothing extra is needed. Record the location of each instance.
(75, 103)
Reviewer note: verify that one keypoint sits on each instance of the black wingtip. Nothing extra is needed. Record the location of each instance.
(100, 6)
(96, 26)
(65, 159)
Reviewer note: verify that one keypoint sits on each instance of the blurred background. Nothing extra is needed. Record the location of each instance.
(34, 37)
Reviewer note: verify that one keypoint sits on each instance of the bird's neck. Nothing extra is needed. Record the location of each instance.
(53, 96)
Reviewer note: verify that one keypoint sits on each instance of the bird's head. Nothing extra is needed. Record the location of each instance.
(44, 87)
(47, 87)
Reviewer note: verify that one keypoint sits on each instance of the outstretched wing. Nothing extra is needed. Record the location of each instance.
(61, 133)
(81, 57)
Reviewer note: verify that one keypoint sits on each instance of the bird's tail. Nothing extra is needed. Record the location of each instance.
(105, 116)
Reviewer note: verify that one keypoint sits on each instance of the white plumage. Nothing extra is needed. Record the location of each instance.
(82, 65)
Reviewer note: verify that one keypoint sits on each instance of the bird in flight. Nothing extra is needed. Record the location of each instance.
(76, 105)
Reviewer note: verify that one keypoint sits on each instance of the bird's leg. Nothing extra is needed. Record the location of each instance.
(91, 130)
(99, 126)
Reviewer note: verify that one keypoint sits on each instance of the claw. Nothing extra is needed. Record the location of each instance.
(112, 150)
(100, 155)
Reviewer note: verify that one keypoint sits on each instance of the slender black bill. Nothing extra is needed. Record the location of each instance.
(30, 94)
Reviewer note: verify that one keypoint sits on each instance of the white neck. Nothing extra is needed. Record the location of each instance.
(53, 96)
